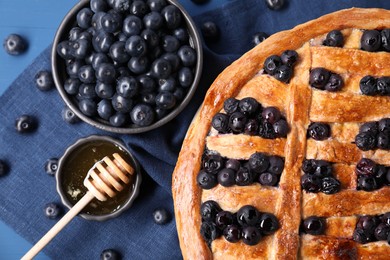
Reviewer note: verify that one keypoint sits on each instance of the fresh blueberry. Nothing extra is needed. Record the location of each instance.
(102, 41)
(210, 31)
(209, 210)
(212, 163)
(367, 183)
(368, 85)
(155, 53)
(139, 8)
(187, 55)
(161, 69)
(259, 37)
(26, 124)
(74, 33)
(268, 223)
(118, 52)
(251, 235)
(314, 225)
(271, 114)
(276, 165)
(127, 87)
(226, 177)
(289, 57)
(87, 107)
(105, 72)
(179, 93)
(319, 77)
(14, 44)
(161, 216)
(64, 49)
(142, 115)
(258, 162)
(136, 46)
(149, 98)
(371, 40)
(181, 34)
(319, 131)
(330, 185)
(153, 20)
(248, 216)
(281, 128)
(104, 90)
(275, 4)
(209, 231)
(206, 180)
(237, 122)
(232, 233)
(268, 179)
(121, 6)
(119, 119)
(4, 168)
(172, 17)
(98, 5)
(334, 39)
(151, 38)
(52, 210)
(185, 77)
(86, 74)
(156, 5)
(44, 80)
(170, 43)
(146, 84)
(383, 85)
(168, 84)
(132, 25)
(138, 65)
(311, 183)
(335, 83)
(244, 177)
(84, 18)
(110, 254)
(122, 104)
(105, 109)
(123, 71)
(283, 73)
(165, 100)
(385, 36)
(365, 141)
(86, 91)
(272, 63)
(51, 166)
(230, 105)
(99, 58)
(249, 106)
(69, 116)
(71, 85)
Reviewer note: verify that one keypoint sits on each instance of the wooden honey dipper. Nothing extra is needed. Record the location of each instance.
(106, 177)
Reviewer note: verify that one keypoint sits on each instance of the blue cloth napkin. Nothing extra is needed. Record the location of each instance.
(27, 188)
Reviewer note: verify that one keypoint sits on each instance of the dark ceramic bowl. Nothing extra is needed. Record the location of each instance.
(59, 74)
(72, 170)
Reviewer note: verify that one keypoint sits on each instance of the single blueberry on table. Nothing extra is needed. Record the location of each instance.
(52, 210)
(259, 37)
(51, 166)
(110, 254)
(69, 116)
(15, 44)
(26, 124)
(161, 216)
(275, 4)
(44, 80)
(210, 31)
(4, 168)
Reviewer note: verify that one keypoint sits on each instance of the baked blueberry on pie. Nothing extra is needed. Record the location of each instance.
(289, 155)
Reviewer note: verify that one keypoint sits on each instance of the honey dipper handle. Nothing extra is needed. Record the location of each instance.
(58, 226)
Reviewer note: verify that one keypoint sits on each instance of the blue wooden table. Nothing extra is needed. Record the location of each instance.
(37, 21)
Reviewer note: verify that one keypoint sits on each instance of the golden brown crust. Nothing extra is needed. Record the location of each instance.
(295, 101)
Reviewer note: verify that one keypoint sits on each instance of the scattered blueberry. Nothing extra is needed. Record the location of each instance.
(334, 39)
(275, 4)
(335, 83)
(319, 78)
(314, 225)
(283, 73)
(52, 210)
(69, 116)
(14, 44)
(289, 57)
(161, 216)
(272, 63)
(51, 166)
(210, 31)
(4, 169)
(26, 124)
(259, 37)
(319, 131)
(44, 80)
(110, 254)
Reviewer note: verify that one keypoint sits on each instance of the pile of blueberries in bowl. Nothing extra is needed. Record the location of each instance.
(127, 66)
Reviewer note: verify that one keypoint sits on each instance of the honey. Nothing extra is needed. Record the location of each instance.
(77, 165)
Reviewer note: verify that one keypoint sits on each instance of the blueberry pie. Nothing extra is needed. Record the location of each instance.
(289, 155)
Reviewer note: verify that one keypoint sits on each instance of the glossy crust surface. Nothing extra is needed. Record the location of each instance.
(301, 105)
